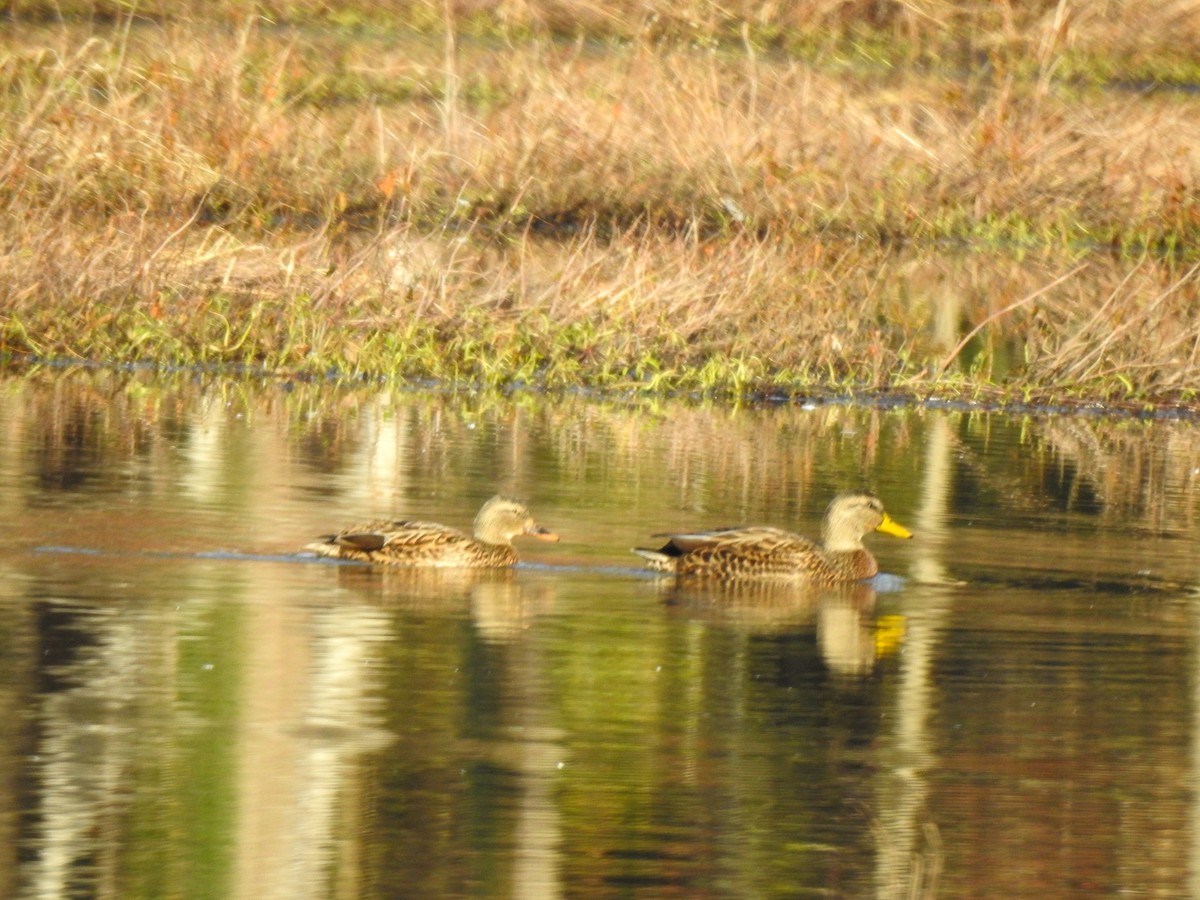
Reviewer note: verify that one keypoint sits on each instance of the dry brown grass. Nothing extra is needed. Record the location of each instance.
(254, 124)
(663, 212)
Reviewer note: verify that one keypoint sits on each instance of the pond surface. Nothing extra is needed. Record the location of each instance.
(188, 707)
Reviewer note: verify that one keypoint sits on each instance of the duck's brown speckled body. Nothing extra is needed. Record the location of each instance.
(399, 542)
(765, 552)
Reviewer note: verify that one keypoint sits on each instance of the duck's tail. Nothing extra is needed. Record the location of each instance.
(657, 560)
(324, 546)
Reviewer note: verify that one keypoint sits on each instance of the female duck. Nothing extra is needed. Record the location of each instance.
(764, 552)
(427, 544)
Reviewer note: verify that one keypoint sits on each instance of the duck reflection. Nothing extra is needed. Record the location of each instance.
(851, 640)
(501, 605)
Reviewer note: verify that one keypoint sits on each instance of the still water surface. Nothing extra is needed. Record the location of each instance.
(190, 708)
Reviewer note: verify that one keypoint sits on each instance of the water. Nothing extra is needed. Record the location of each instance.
(189, 708)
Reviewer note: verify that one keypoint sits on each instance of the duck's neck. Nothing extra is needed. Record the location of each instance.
(839, 539)
(491, 538)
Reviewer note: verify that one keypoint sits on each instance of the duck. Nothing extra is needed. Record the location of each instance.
(761, 551)
(400, 542)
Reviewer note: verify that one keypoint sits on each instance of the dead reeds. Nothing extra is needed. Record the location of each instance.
(731, 203)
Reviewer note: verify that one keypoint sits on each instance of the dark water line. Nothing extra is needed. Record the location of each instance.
(866, 398)
(203, 554)
(314, 559)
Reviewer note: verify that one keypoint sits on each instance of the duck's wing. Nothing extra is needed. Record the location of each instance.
(398, 536)
(761, 538)
(678, 546)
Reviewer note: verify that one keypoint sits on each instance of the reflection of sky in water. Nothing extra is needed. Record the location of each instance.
(193, 707)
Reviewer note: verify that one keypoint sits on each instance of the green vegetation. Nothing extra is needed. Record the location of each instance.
(963, 202)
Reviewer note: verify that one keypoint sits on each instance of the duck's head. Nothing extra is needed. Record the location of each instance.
(852, 515)
(502, 518)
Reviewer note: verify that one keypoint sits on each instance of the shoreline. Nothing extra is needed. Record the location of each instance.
(809, 397)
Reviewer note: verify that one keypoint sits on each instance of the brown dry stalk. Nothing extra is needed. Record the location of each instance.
(1097, 348)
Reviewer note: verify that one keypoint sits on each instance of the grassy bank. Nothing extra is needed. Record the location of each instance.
(959, 201)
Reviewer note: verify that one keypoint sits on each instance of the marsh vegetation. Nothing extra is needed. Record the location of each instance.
(973, 200)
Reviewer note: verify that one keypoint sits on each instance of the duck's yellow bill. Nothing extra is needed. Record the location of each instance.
(892, 527)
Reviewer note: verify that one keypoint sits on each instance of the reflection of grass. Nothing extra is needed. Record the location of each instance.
(923, 866)
(694, 464)
(722, 204)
